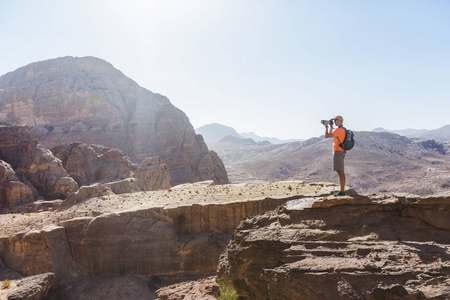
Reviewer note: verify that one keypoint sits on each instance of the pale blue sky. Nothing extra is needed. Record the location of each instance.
(273, 67)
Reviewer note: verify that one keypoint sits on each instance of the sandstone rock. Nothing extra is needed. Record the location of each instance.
(128, 185)
(367, 248)
(38, 251)
(89, 164)
(36, 206)
(32, 288)
(88, 100)
(203, 289)
(177, 233)
(34, 164)
(6, 273)
(12, 191)
(141, 243)
(86, 192)
(152, 175)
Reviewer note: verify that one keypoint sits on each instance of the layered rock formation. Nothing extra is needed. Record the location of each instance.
(313, 246)
(151, 235)
(203, 289)
(12, 191)
(30, 288)
(152, 175)
(33, 172)
(344, 248)
(89, 164)
(39, 172)
(87, 100)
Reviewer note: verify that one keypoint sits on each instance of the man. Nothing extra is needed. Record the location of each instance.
(339, 153)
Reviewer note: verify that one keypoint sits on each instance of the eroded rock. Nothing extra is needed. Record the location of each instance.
(12, 191)
(89, 164)
(152, 175)
(87, 100)
(31, 288)
(343, 248)
(34, 165)
(86, 192)
(203, 289)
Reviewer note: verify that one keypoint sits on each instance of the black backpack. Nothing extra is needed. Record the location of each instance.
(348, 142)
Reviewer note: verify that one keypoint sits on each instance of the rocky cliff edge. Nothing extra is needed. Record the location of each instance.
(293, 241)
(353, 247)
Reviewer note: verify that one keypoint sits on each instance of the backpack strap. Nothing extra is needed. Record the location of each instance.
(345, 138)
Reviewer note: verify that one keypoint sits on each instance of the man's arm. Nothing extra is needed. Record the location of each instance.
(328, 134)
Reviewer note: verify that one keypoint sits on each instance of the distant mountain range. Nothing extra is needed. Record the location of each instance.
(214, 132)
(441, 134)
(380, 162)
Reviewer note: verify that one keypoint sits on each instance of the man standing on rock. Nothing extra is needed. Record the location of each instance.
(339, 153)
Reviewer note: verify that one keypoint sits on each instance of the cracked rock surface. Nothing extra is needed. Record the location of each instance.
(351, 247)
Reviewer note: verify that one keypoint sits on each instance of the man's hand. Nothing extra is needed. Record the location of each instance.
(328, 134)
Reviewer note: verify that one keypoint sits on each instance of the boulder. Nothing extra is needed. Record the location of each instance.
(89, 164)
(343, 248)
(12, 191)
(86, 192)
(123, 186)
(32, 288)
(87, 100)
(202, 289)
(152, 175)
(34, 164)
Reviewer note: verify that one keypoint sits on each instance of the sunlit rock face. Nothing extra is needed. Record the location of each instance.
(351, 247)
(29, 171)
(87, 100)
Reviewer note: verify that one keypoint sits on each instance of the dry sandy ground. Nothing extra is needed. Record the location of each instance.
(187, 194)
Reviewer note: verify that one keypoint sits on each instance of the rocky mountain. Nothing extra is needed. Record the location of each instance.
(380, 162)
(236, 141)
(213, 133)
(87, 100)
(441, 134)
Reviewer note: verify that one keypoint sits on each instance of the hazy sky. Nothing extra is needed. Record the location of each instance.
(273, 67)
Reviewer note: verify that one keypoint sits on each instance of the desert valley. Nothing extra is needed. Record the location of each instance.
(108, 192)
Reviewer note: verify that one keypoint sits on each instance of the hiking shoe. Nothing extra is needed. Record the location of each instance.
(340, 193)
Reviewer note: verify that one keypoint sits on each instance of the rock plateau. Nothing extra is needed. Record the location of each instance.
(293, 241)
(148, 238)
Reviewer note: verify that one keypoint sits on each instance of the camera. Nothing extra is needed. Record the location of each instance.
(326, 122)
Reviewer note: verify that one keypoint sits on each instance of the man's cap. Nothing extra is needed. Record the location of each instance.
(339, 118)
